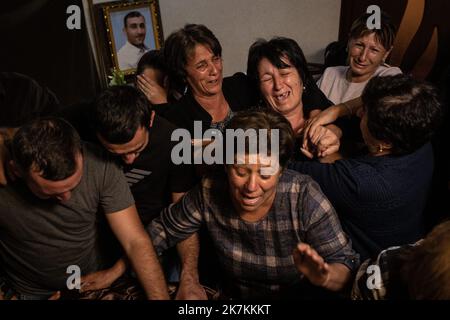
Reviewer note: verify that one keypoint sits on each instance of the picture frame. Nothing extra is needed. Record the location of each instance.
(118, 47)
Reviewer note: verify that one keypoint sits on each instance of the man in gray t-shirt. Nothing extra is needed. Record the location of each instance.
(48, 214)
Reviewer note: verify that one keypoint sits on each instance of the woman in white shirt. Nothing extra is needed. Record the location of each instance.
(368, 50)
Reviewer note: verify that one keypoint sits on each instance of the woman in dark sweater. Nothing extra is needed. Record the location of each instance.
(380, 197)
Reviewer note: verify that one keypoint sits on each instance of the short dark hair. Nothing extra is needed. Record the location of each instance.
(151, 59)
(49, 145)
(266, 119)
(119, 112)
(402, 111)
(181, 44)
(132, 14)
(274, 50)
(384, 35)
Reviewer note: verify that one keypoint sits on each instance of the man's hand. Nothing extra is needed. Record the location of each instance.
(98, 280)
(190, 289)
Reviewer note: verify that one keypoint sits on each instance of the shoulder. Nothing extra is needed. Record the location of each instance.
(97, 159)
(239, 92)
(297, 183)
(335, 72)
(238, 77)
(94, 153)
(163, 126)
(379, 278)
(123, 49)
(387, 70)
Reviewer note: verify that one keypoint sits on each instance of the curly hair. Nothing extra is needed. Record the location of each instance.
(402, 111)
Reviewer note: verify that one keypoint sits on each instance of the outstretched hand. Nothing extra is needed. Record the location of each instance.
(311, 265)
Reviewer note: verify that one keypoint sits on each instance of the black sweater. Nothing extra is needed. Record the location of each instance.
(380, 200)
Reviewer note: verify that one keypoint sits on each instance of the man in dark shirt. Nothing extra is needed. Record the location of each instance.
(125, 125)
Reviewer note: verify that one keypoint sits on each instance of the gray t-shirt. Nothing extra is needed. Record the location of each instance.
(40, 239)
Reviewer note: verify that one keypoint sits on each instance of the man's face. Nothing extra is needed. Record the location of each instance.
(132, 149)
(135, 30)
(60, 190)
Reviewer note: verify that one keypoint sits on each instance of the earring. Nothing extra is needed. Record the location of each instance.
(380, 148)
(304, 88)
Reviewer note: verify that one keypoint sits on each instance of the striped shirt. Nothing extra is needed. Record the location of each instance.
(257, 256)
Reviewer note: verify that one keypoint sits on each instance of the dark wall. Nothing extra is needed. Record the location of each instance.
(36, 42)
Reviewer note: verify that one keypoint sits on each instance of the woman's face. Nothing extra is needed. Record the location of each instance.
(252, 192)
(281, 88)
(204, 72)
(366, 54)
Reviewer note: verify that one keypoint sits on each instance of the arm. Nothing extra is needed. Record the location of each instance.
(139, 249)
(331, 114)
(324, 141)
(325, 255)
(188, 250)
(324, 144)
(333, 276)
(178, 224)
(104, 278)
(189, 287)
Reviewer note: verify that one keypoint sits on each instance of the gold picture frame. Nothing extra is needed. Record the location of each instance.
(111, 36)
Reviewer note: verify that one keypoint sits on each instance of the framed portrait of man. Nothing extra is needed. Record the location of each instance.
(125, 31)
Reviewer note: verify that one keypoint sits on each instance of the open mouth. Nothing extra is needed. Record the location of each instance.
(282, 97)
(359, 65)
(213, 82)
(250, 201)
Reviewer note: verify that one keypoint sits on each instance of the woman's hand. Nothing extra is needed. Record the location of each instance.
(311, 265)
(152, 90)
(319, 120)
(322, 143)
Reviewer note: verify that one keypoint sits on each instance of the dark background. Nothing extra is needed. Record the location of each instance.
(36, 42)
